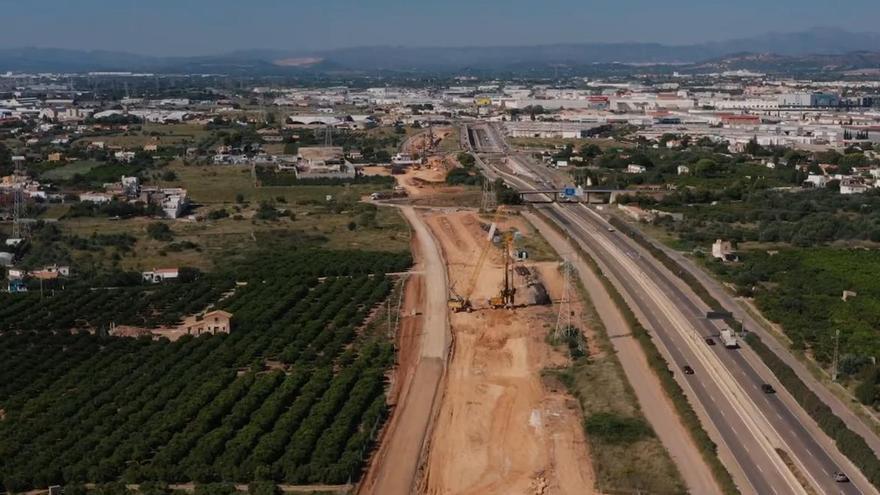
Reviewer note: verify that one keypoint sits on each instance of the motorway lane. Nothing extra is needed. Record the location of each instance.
(814, 461)
(817, 462)
(754, 461)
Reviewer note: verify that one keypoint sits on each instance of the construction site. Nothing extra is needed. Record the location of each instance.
(500, 428)
(474, 412)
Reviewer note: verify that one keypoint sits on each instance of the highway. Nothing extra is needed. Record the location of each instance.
(751, 427)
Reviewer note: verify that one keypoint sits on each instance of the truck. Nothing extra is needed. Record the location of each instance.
(376, 196)
(729, 339)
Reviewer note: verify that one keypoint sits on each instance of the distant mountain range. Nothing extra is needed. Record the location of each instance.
(818, 47)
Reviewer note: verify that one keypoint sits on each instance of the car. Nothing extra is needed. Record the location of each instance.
(767, 388)
(710, 341)
(610, 229)
(840, 477)
(687, 370)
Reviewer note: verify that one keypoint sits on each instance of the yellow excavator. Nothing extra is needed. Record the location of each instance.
(462, 302)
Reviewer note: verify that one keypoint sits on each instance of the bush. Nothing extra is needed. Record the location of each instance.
(461, 176)
(160, 231)
(851, 444)
(613, 429)
(218, 214)
(266, 211)
(466, 160)
(263, 488)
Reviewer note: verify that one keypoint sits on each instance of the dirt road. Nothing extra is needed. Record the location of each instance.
(655, 405)
(500, 429)
(420, 370)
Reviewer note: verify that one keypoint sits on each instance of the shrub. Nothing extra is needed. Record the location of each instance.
(614, 429)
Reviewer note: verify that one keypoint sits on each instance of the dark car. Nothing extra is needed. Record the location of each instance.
(687, 370)
(840, 477)
(710, 341)
(768, 389)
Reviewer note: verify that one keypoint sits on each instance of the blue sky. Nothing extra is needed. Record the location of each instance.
(188, 27)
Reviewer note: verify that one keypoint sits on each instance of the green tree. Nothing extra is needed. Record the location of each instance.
(160, 231)
(466, 159)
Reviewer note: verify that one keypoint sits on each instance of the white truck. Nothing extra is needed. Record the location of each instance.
(728, 338)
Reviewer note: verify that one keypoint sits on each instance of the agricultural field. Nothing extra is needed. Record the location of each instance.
(294, 394)
(231, 216)
(152, 133)
(759, 219)
(94, 309)
(221, 184)
(66, 172)
(799, 250)
(802, 289)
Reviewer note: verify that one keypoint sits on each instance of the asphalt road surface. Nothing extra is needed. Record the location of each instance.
(751, 425)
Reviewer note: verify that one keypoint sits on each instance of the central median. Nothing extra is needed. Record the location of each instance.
(707, 448)
(851, 444)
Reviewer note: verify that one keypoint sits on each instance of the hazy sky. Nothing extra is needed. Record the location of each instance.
(188, 27)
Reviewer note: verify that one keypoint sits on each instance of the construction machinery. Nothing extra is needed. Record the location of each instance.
(457, 302)
(506, 297)
(462, 302)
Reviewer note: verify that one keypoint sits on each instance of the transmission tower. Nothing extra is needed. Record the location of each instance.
(429, 144)
(488, 201)
(18, 208)
(328, 136)
(563, 317)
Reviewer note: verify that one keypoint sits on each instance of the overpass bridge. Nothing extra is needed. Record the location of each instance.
(559, 195)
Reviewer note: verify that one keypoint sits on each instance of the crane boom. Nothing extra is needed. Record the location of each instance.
(463, 302)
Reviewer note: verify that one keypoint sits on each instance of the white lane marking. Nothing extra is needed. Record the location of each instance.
(752, 417)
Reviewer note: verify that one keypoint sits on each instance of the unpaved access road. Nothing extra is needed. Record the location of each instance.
(396, 464)
(655, 405)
